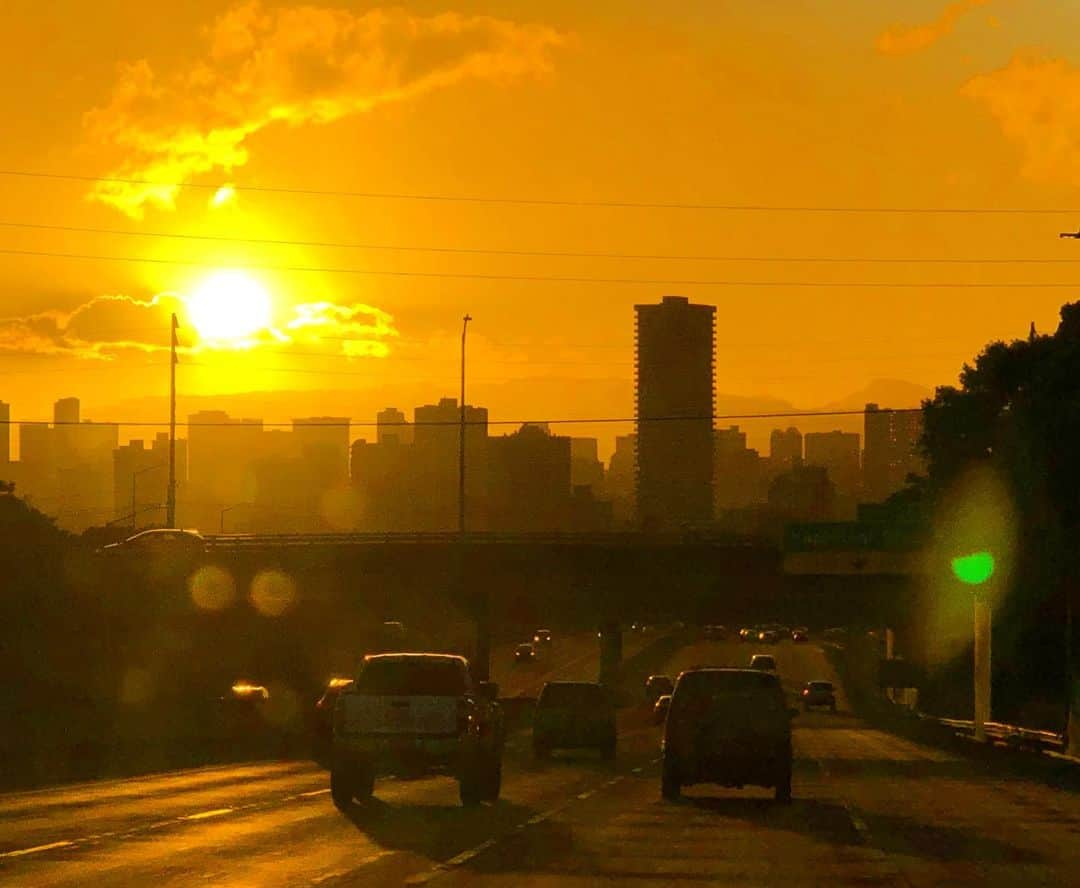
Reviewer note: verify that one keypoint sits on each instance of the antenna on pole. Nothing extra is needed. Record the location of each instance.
(170, 498)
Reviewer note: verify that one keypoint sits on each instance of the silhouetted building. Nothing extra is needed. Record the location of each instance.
(383, 480)
(586, 470)
(222, 453)
(785, 449)
(529, 475)
(804, 493)
(435, 453)
(391, 423)
(620, 481)
(140, 483)
(323, 444)
(37, 464)
(891, 442)
(674, 366)
(589, 514)
(5, 433)
(740, 476)
(838, 452)
(65, 433)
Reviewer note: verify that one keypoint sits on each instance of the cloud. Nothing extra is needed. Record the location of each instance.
(108, 327)
(1036, 102)
(292, 65)
(904, 39)
(99, 329)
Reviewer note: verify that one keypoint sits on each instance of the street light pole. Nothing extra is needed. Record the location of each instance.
(982, 665)
(461, 434)
(221, 517)
(170, 499)
(135, 474)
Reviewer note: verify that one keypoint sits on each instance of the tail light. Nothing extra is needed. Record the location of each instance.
(806, 692)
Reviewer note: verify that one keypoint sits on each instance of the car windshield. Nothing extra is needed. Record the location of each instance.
(417, 676)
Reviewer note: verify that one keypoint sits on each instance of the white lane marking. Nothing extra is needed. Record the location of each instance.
(340, 874)
(613, 781)
(203, 815)
(636, 771)
(49, 847)
(466, 856)
(586, 794)
(538, 818)
(313, 793)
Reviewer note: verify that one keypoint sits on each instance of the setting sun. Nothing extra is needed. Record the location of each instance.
(229, 306)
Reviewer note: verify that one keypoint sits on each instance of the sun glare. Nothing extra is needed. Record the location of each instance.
(225, 194)
(229, 306)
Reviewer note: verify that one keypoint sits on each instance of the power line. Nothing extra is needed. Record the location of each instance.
(553, 202)
(491, 422)
(565, 254)
(442, 275)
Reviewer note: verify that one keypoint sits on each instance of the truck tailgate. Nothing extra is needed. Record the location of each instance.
(399, 715)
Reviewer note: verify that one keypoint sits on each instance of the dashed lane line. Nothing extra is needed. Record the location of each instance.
(206, 815)
(22, 852)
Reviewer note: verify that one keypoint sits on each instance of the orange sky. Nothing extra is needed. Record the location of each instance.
(973, 103)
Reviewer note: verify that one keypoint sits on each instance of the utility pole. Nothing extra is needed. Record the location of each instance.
(461, 434)
(170, 497)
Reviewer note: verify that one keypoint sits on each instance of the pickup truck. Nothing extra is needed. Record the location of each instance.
(416, 714)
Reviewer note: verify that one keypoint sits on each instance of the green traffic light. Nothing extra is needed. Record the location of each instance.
(974, 569)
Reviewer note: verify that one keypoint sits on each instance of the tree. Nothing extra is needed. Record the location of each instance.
(1018, 409)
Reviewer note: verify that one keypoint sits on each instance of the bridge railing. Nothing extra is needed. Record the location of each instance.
(1011, 735)
(612, 538)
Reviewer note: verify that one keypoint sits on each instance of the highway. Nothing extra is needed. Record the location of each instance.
(869, 809)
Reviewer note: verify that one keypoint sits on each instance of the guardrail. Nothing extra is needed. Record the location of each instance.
(615, 538)
(1011, 735)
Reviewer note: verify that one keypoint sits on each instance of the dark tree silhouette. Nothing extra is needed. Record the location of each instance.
(1017, 408)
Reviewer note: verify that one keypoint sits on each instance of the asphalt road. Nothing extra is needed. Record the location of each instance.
(869, 809)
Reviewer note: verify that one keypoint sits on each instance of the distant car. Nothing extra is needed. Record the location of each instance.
(574, 715)
(162, 539)
(656, 686)
(800, 635)
(747, 634)
(715, 633)
(542, 637)
(524, 653)
(731, 727)
(819, 693)
(322, 728)
(768, 636)
(764, 662)
(660, 709)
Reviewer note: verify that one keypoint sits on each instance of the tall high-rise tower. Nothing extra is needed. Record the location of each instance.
(674, 364)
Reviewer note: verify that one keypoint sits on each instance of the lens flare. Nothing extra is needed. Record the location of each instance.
(272, 593)
(212, 588)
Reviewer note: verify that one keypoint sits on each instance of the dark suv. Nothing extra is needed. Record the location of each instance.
(727, 726)
(574, 715)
